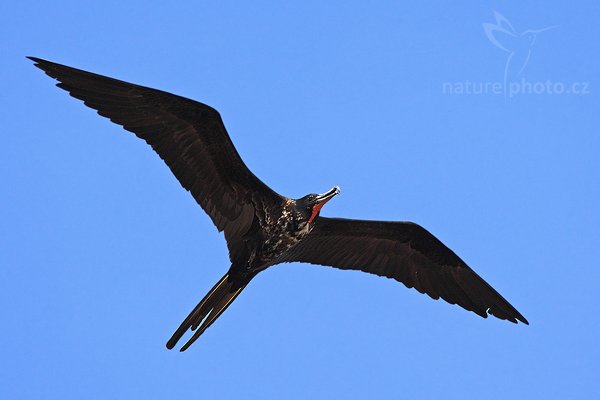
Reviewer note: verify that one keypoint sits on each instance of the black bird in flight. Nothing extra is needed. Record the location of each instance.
(261, 227)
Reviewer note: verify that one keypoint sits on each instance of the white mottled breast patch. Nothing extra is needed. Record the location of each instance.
(284, 233)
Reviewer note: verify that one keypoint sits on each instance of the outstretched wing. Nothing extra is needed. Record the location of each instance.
(189, 136)
(405, 252)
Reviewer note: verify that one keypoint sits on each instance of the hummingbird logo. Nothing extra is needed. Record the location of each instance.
(518, 45)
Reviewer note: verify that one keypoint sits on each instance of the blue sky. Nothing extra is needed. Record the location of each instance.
(103, 253)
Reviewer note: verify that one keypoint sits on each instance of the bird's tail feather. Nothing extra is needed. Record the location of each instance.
(208, 310)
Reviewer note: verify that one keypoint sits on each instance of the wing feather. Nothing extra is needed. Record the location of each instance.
(189, 136)
(405, 252)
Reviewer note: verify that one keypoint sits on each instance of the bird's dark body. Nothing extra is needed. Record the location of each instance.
(261, 227)
(282, 229)
(275, 230)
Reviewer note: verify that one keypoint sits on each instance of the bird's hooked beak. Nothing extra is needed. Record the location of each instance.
(325, 197)
(321, 200)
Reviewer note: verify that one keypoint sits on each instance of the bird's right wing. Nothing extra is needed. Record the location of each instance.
(189, 136)
(405, 252)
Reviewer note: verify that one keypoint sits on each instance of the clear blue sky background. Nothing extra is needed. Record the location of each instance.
(103, 253)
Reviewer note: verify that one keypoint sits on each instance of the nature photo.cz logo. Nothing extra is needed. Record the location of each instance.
(518, 47)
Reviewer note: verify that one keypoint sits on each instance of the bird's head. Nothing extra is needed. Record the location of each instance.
(311, 204)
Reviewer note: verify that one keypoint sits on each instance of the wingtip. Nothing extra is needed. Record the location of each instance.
(44, 65)
(516, 319)
(35, 59)
(40, 63)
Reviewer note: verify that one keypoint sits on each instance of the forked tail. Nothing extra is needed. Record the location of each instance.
(209, 309)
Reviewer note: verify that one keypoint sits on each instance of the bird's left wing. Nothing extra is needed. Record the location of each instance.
(405, 252)
(188, 135)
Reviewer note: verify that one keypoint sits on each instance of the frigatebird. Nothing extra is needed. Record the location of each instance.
(261, 227)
